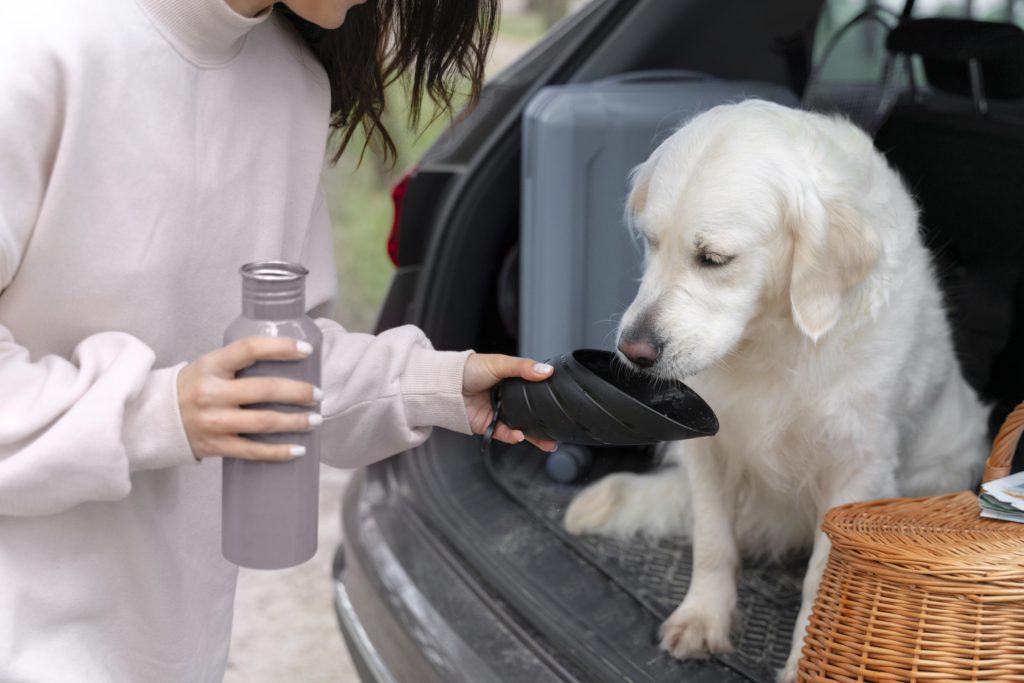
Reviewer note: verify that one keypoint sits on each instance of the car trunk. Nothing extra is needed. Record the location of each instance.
(590, 607)
(595, 604)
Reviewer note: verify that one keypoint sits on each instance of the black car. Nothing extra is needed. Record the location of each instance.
(455, 566)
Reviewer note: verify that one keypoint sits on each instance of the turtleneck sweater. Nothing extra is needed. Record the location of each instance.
(149, 149)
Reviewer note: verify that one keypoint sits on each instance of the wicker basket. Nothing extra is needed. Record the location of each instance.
(922, 589)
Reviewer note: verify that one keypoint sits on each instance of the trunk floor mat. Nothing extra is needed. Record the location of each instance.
(656, 572)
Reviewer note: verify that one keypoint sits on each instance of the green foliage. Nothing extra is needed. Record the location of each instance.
(522, 25)
(359, 199)
(359, 192)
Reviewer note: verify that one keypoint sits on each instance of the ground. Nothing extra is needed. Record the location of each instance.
(285, 628)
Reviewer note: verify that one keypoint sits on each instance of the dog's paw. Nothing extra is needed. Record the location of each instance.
(591, 511)
(694, 631)
(787, 674)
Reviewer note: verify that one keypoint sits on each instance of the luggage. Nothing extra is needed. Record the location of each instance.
(579, 266)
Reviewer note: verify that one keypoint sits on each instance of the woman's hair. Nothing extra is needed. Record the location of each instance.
(439, 45)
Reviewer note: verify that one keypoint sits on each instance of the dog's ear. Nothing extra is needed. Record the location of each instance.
(834, 250)
(639, 183)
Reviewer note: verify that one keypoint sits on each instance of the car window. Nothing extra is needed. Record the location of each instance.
(858, 55)
(852, 73)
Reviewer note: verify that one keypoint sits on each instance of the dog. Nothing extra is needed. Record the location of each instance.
(786, 281)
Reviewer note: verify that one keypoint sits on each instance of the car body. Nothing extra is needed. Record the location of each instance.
(454, 565)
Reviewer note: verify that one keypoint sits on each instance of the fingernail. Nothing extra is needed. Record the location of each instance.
(297, 451)
(318, 394)
(542, 368)
(315, 420)
(304, 347)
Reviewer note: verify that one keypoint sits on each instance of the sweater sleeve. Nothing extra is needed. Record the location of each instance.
(382, 394)
(71, 429)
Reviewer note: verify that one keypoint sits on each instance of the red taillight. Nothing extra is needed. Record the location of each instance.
(398, 197)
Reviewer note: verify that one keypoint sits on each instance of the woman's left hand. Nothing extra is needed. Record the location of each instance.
(483, 371)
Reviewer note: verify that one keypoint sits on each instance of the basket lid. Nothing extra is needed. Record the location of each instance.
(933, 535)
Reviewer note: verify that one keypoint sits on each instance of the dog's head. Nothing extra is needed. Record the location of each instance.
(752, 216)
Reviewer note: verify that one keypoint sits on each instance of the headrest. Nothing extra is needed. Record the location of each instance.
(946, 46)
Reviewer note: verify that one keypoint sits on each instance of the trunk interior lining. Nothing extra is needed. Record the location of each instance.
(656, 572)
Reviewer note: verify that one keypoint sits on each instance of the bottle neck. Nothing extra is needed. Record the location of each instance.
(274, 310)
(273, 290)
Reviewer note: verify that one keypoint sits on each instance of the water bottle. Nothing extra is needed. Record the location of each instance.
(270, 508)
(569, 463)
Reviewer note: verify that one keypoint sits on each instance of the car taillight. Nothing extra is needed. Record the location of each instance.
(398, 197)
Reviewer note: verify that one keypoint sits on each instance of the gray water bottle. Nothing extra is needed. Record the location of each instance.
(270, 508)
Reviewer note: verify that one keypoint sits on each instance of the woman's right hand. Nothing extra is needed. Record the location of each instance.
(211, 400)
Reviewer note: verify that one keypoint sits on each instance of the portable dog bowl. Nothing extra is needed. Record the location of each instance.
(595, 400)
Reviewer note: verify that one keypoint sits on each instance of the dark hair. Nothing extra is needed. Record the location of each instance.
(438, 45)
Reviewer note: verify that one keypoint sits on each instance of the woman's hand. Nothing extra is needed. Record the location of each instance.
(483, 371)
(211, 400)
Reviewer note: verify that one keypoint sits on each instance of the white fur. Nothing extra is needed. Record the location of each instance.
(823, 347)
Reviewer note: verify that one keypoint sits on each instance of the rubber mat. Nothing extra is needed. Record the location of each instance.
(656, 572)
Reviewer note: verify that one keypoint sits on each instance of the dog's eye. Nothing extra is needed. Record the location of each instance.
(710, 259)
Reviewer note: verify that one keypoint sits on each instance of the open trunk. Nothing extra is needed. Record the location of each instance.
(457, 567)
(596, 602)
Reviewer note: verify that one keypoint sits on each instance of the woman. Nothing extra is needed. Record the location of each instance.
(151, 147)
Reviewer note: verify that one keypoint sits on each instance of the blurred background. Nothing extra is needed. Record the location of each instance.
(359, 194)
(859, 58)
(285, 627)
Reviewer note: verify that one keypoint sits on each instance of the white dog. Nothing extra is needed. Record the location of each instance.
(786, 280)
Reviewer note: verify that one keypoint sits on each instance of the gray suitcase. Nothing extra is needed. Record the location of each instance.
(579, 267)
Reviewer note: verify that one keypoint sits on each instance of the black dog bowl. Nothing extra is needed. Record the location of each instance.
(594, 399)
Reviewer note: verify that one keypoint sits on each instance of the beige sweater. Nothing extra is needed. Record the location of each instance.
(148, 149)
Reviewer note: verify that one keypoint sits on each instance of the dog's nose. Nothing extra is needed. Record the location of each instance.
(641, 350)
